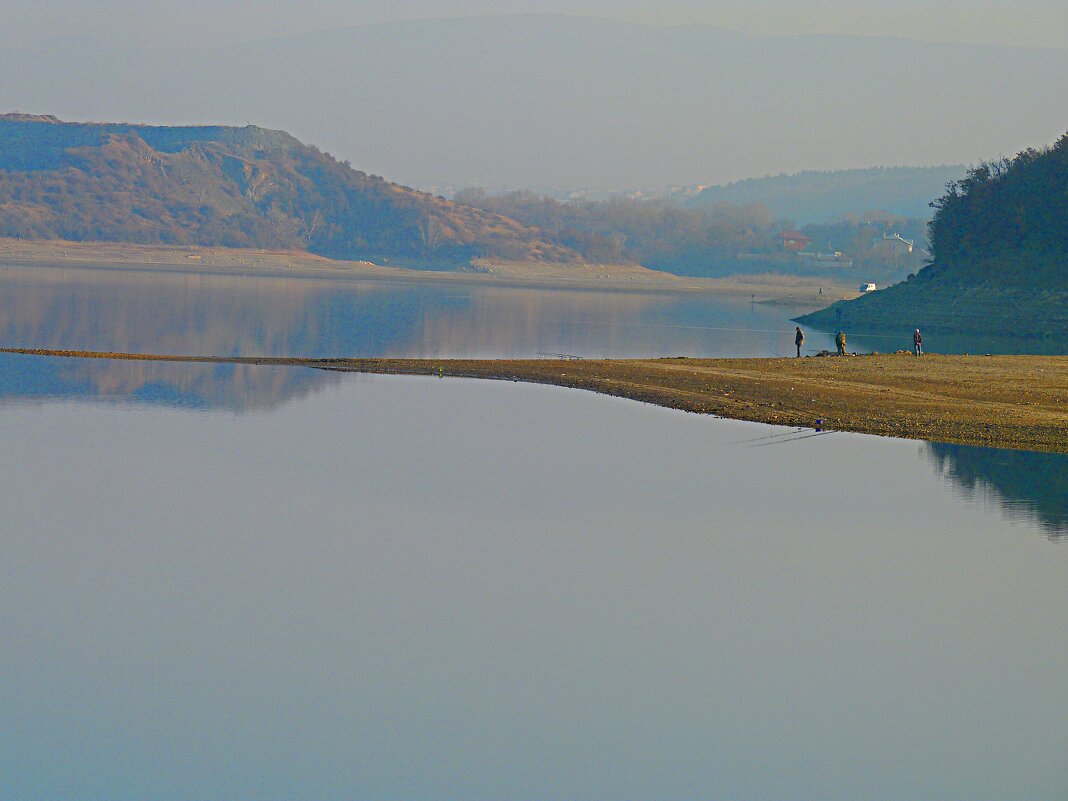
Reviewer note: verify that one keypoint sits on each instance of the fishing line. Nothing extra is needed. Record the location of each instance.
(770, 436)
(795, 439)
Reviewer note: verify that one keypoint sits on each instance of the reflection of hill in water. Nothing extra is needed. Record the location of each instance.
(229, 387)
(195, 314)
(1032, 484)
(216, 315)
(160, 313)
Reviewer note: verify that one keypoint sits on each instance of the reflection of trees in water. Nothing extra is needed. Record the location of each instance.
(1034, 483)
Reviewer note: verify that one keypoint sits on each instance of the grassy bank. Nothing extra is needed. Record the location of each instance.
(998, 401)
(1024, 297)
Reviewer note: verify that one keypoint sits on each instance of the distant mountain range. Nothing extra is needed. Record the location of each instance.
(532, 100)
(822, 196)
(240, 187)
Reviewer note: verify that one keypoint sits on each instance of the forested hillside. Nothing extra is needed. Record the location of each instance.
(1006, 222)
(654, 233)
(237, 187)
(716, 240)
(999, 240)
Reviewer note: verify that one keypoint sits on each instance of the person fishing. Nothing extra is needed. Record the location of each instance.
(799, 339)
(840, 341)
(917, 343)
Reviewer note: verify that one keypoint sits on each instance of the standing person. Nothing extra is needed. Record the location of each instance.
(799, 339)
(917, 343)
(840, 341)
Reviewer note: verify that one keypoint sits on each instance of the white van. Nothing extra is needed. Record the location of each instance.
(867, 287)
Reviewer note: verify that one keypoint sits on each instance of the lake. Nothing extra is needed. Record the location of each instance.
(227, 582)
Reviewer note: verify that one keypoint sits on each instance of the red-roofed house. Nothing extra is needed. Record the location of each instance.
(794, 241)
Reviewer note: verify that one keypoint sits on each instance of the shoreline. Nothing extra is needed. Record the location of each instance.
(1015, 402)
(241, 262)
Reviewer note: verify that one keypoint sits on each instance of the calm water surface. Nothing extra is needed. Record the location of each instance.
(265, 583)
(272, 316)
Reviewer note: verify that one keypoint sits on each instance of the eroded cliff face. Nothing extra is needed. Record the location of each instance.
(239, 187)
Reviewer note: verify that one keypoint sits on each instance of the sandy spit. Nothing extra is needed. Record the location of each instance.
(1018, 402)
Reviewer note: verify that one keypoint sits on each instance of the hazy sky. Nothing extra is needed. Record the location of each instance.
(562, 101)
(1025, 22)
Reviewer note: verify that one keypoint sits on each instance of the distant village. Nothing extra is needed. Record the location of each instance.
(889, 246)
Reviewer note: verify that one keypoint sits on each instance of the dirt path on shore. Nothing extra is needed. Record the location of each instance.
(999, 401)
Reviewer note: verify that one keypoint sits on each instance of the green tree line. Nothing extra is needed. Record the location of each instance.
(1011, 212)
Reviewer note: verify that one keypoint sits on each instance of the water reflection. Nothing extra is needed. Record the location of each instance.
(219, 315)
(270, 316)
(1025, 485)
(29, 380)
(404, 588)
(204, 314)
(158, 312)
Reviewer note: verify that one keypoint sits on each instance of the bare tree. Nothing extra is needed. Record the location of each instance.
(312, 225)
(431, 234)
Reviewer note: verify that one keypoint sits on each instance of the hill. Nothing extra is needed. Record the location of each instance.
(656, 234)
(236, 187)
(710, 241)
(821, 196)
(1000, 259)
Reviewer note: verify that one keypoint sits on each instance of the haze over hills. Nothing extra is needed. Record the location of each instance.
(238, 187)
(813, 197)
(558, 100)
